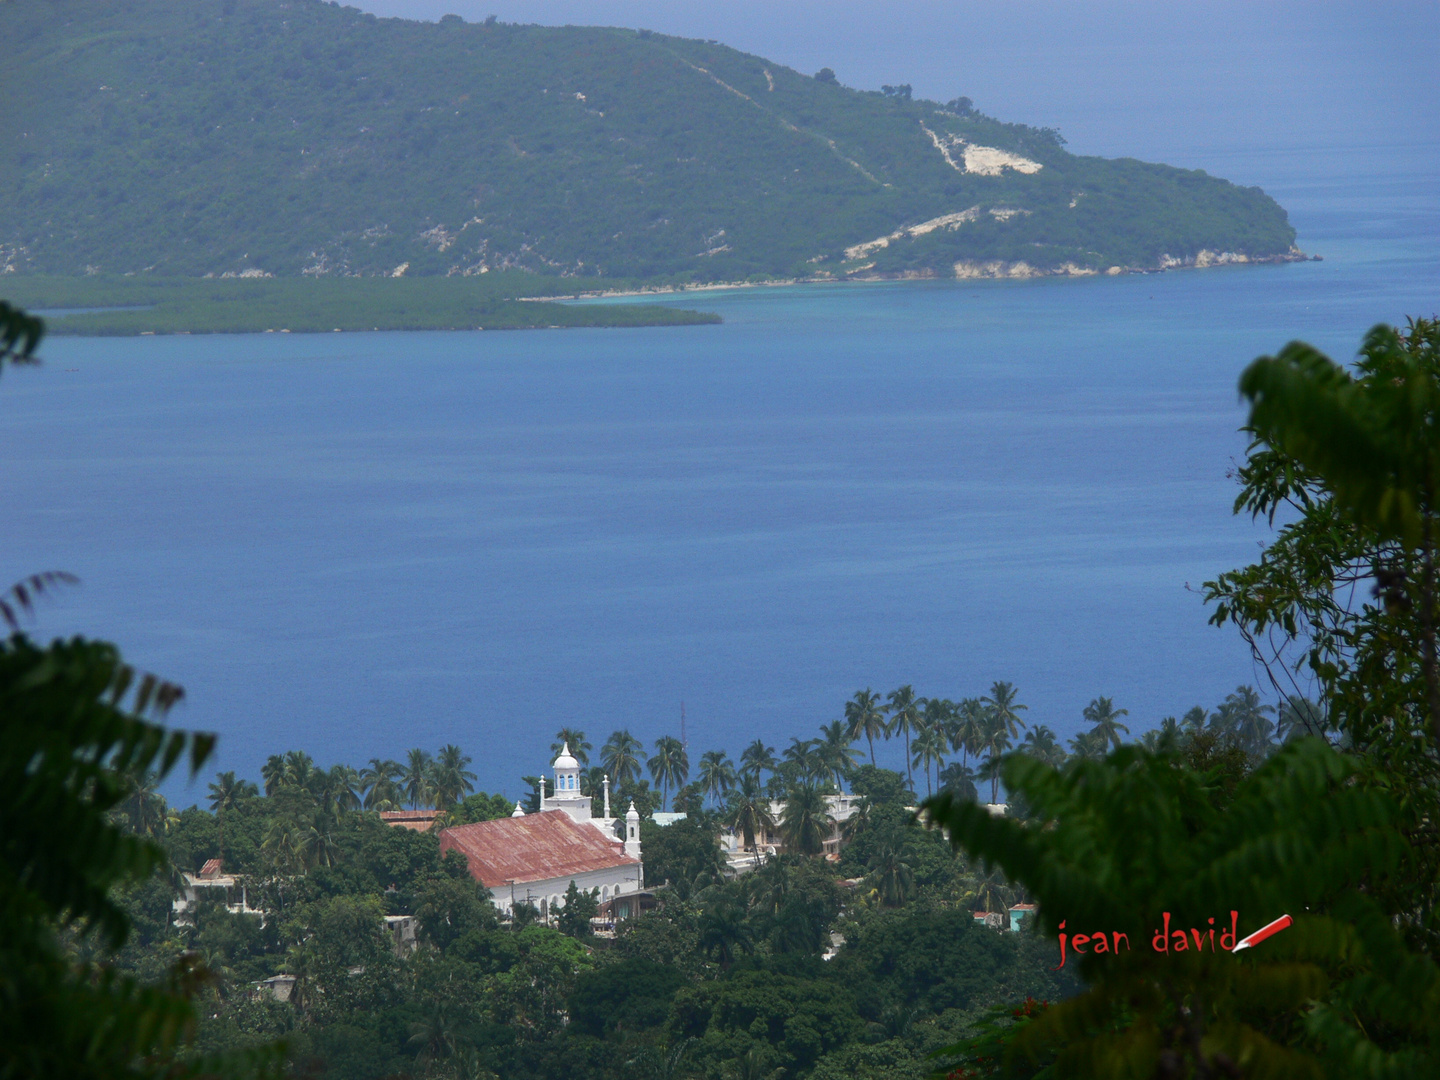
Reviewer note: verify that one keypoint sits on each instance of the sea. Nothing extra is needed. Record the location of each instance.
(355, 544)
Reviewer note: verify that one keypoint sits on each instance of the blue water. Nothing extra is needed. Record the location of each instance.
(357, 543)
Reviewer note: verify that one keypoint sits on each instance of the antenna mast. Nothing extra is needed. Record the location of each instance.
(684, 743)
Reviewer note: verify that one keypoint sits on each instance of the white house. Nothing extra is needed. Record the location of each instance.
(533, 858)
(841, 807)
(212, 883)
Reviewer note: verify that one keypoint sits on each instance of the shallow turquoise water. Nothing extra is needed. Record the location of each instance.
(354, 544)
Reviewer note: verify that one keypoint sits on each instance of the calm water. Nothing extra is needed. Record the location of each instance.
(354, 544)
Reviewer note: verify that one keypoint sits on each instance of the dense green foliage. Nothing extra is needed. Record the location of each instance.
(293, 136)
(724, 970)
(154, 305)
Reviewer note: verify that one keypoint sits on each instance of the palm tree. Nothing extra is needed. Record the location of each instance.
(859, 820)
(284, 843)
(959, 778)
(380, 783)
(450, 781)
(300, 771)
(1247, 719)
(757, 757)
(1194, 720)
(621, 757)
(574, 738)
(1105, 721)
(801, 758)
(436, 1035)
(894, 879)
(592, 781)
(335, 790)
(1165, 739)
(145, 808)
(1088, 746)
(1300, 717)
(994, 890)
(226, 793)
(904, 710)
(966, 722)
(754, 1065)
(1003, 706)
(938, 713)
(1041, 744)
(865, 717)
(717, 774)
(314, 845)
(806, 823)
(993, 740)
(930, 747)
(669, 765)
(272, 773)
(749, 811)
(835, 756)
(416, 778)
(723, 933)
(771, 885)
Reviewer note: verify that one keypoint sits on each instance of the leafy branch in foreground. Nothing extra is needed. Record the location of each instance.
(20, 334)
(1341, 606)
(1355, 459)
(77, 742)
(1115, 845)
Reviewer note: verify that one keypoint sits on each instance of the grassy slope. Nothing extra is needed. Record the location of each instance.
(186, 138)
(180, 305)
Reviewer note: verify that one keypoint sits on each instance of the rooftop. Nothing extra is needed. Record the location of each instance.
(416, 820)
(537, 847)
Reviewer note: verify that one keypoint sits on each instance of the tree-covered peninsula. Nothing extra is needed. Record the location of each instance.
(295, 137)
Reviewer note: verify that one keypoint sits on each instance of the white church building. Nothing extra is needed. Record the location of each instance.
(533, 858)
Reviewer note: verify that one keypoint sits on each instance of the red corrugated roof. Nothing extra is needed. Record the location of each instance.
(536, 847)
(210, 869)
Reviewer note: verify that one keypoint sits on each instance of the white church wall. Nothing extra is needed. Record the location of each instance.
(612, 882)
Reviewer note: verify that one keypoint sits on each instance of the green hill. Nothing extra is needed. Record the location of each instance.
(288, 137)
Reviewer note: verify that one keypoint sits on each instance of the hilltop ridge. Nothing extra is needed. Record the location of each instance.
(296, 137)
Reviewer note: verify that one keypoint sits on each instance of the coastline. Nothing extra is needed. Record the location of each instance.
(965, 270)
(99, 307)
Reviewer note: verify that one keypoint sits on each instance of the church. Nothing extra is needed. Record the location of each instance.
(533, 858)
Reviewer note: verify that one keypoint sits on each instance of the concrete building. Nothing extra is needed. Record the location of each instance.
(841, 808)
(211, 883)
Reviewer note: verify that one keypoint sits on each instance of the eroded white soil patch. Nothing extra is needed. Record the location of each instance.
(966, 157)
(944, 221)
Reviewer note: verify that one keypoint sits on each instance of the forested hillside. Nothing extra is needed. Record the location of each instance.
(293, 136)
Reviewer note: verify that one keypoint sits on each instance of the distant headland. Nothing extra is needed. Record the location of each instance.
(260, 139)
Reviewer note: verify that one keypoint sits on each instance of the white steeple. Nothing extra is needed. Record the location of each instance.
(567, 795)
(607, 796)
(632, 831)
(567, 775)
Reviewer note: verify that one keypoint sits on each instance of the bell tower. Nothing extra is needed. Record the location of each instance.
(567, 795)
